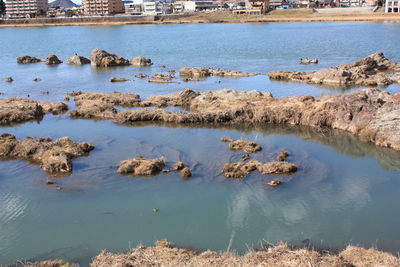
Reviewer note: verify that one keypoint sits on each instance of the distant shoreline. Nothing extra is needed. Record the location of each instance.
(210, 18)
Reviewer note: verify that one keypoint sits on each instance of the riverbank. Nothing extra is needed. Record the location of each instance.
(214, 17)
(163, 254)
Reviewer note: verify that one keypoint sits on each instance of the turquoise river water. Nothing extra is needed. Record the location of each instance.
(345, 192)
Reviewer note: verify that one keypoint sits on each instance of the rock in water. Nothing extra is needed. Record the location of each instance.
(116, 79)
(274, 183)
(52, 60)
(140, 62)
(178, 166)
(78, 60)
(101, 58)
(282, 156)
(186, 173)
(369, 71)
(27, 60)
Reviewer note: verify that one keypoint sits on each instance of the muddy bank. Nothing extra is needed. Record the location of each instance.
(52, 156)
(373, 70)
(279, 255)
(14, 110)
(371, 114)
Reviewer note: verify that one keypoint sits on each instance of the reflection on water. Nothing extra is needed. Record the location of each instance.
(333, 199)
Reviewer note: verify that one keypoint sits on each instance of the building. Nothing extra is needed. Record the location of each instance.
(392, 6)
(199, 5)
(254, 7)
(150, 8)
(261, 5)
(25, 8)
(102, 7)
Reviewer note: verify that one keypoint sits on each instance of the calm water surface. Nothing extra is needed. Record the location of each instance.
(345, 192)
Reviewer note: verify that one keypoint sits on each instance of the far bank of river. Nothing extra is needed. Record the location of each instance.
(215, 17)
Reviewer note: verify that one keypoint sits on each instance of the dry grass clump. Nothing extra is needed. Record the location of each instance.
(279, 255)
(368, 257)
(245, 146)
(141, 166)
(241, 169)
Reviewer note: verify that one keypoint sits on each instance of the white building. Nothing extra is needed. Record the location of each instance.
(150, 8)
(392, 6)
(25, 8)
(198, 5)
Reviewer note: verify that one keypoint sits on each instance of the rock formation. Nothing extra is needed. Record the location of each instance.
(77, 60)
(141, 76)
(195, 74)
(8, 79)
(14, 110)
(306, 61)
(140, 62)
(53, 156)
(282, 156)
(117, 79)
(370, 71)
(52, 60)
(27, 60)
(101, 58)
(186, 173)
(141, 166)
(161, 78)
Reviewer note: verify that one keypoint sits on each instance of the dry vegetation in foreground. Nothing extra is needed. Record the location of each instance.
(163, 254)
(280, 255)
